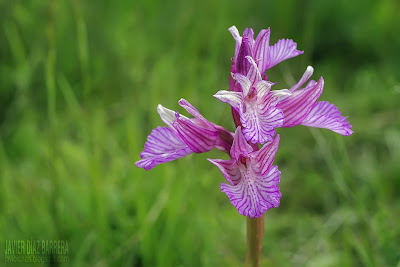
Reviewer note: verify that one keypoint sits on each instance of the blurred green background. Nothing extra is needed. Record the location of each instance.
(79, 86)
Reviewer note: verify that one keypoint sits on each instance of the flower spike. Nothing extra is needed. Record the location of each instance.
(252, 180)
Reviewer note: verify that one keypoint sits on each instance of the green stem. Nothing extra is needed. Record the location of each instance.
(255, 233)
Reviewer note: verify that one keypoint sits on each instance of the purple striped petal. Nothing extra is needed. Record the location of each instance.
(261, 48)
(297, 106)
(263, 88)
(167, 115)
(194, 112)
(244, 82)
(193, 133)
(253, 73)
(236, 35)
(232, 98)
(259, 124)
(229, 170)
(271, 98)
(265, 157)
(253, 182)
(163, 145)
(225, 139)
(249, 33)
(259, 119)
(282, 50)
(254, 194)
(242, 64)
(240, 146)
(326, 115)
(306, 76)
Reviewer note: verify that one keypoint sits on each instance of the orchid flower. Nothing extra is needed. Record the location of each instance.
(182, 137)
(256, 104)
(253, 181)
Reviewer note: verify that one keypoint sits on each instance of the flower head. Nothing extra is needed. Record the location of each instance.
(253, 181)
(256, 104)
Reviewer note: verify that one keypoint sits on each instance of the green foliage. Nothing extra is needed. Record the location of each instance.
(79, 86)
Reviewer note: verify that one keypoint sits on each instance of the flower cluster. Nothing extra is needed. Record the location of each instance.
(257, 110)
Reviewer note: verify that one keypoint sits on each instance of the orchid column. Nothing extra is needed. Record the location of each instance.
(252, 180)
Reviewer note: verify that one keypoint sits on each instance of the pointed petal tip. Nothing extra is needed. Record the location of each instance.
(216, 162)
(277, 138)
(218, 95)
(321, 83)
(250, 59)
(141, 164)
(235, 33)
(281, 94)
(221, 95)
(232, 98)
(220, 92)
(349, 132)
(222, 187)
(187, 106)
(240, 145)
(211, 160)
(232, 28)
(309, 72)
(161, 109)
(346, 129)
(137, 164)
(167, 115)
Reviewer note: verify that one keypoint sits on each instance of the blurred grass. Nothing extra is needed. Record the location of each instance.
(79, 84)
